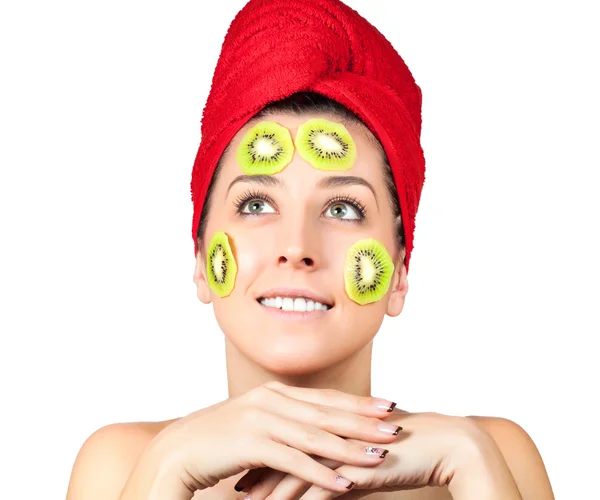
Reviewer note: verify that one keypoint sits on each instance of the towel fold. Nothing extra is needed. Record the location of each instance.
(275, 48)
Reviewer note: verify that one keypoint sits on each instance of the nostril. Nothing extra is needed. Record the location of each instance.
(307, 261)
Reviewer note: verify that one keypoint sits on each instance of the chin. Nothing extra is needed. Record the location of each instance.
(289, 355)
(292, 365)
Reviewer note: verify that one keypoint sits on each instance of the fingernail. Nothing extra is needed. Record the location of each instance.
(247, 497)
(389, 428)
(382, 452)
(346, 482)
(384, 404)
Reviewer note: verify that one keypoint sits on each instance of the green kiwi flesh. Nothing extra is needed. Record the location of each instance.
(325, 145)
(266, 149)
(368, 271)
(221, 268)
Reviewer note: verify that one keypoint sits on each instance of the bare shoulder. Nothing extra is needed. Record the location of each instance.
(521, 455)
(107, 457)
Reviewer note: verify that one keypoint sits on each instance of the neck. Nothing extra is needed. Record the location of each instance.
(352, 375)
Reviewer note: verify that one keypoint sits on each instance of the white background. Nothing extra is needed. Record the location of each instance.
(100, 112)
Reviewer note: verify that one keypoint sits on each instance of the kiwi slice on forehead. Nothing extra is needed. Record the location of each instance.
(326, 145)
(266, 149)
(368, 271)
(221, 267)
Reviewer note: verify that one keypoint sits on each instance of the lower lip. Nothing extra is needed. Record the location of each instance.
(293, 315)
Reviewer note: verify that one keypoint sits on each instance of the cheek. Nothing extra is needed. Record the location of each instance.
(249, 257)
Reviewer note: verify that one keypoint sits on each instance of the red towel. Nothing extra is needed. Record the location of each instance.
(274, 48)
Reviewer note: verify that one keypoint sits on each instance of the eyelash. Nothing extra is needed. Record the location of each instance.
(247, 196)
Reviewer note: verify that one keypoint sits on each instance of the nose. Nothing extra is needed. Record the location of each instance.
(299, 245)
(293, 258)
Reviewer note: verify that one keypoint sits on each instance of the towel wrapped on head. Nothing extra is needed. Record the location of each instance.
(276, 48)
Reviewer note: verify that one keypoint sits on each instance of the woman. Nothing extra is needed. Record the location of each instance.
(272, 254)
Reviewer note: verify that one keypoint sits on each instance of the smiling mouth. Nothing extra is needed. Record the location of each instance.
(293, 304)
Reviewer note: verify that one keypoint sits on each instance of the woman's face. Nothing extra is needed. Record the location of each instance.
(299, 239)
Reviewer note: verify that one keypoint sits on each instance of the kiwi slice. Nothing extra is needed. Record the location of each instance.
(325, 145)
(265, 149)
(368, 271)
(220, 265)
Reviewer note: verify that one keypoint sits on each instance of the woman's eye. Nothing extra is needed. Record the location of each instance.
(341, 209)
(255, 207)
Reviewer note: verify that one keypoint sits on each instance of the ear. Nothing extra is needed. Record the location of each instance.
(399, 287)
(203, 290)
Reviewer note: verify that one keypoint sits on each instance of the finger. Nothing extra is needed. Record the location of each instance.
(288, 487)
(365, 483)
(366, 479)
(362, 405)
(316, 493)
(250, 478)
(314, 440)
(266, 484)
(293, 487)
(293, 461)
(284, 485)
(342, 423)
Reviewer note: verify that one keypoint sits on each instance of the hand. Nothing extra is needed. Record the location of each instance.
(429, 451)
(274, 426)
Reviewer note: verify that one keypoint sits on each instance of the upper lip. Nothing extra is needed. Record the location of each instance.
(295, 292)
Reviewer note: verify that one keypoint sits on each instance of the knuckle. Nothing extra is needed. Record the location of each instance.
(330, 395)
(369, 479)
(251, 417)
(313, 433)
(273, 384)
(323, 415)
(360, 403)
(345, 452)
(361, 422)
(431, 415)
(258, 395)
(350, 449)
(323, 409)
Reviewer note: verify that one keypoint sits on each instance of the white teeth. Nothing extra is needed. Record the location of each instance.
(299, 304)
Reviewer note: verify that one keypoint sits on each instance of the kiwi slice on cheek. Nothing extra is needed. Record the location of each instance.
(221, 267)
(368, 271)
(266, 149)
(325, 145)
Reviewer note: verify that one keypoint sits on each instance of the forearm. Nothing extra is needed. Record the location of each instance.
(484, 475)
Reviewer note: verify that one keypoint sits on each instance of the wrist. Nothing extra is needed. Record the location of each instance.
(482, 472)
(168, 483)
(155, 476)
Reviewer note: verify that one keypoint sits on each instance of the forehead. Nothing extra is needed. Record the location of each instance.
(369, 152)
(357, 129)
(368, 147)
(300, 174)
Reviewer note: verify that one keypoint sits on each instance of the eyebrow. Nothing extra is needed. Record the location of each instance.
(327, 182)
